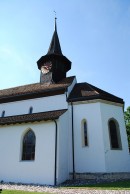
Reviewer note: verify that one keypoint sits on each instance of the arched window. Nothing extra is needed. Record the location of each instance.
(3, 113)
(114, 133)
(84, 133)
(30, 110)
(29, 140)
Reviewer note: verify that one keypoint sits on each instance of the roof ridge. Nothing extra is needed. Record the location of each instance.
(37, 83)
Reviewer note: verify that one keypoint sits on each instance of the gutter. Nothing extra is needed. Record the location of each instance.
(55, 163)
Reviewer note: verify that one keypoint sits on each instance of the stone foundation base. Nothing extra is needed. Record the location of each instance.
(101, 176)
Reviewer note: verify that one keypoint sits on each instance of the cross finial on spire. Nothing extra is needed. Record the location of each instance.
(55, 13)
(55, 21)
(54, 47)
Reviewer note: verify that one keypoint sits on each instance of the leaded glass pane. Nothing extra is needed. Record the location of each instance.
(113, 135)
(29, 146)
(85, 134)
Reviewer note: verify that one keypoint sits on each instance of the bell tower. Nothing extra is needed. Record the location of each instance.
(54, 65)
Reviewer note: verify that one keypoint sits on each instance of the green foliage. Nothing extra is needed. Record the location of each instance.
(127, 122)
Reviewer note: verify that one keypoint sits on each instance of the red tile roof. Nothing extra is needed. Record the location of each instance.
(42, 116)
(34, 90)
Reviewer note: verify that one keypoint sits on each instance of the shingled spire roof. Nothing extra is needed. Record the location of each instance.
(60, 64)
(55, 47)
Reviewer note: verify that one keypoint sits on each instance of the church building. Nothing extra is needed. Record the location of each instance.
(58, 129)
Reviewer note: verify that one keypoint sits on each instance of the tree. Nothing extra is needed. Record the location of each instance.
(127, 122)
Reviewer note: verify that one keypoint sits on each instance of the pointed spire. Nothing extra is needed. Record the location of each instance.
(55, 25)
(60, 64)
(55, 47)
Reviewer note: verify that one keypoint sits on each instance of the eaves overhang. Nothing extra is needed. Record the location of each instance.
(119, 100)
(52, 57)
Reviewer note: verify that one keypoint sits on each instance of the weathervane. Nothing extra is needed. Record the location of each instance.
(55, 14)
(55, 20)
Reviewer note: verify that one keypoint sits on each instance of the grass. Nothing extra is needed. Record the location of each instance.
(20, 192)
(120, 185)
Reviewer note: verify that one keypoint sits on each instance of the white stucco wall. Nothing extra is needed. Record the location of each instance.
(116, 160)
(41, 170)
(90, 158)
(96, 157)
(43, 104)
(63, 148)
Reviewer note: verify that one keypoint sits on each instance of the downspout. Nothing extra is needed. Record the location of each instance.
(55, 171)
(73, 153)
(66, 93)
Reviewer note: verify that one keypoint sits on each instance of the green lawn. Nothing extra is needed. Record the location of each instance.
(122, 185)
(20, 192)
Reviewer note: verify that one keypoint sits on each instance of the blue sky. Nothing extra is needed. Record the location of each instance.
(94, 35)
